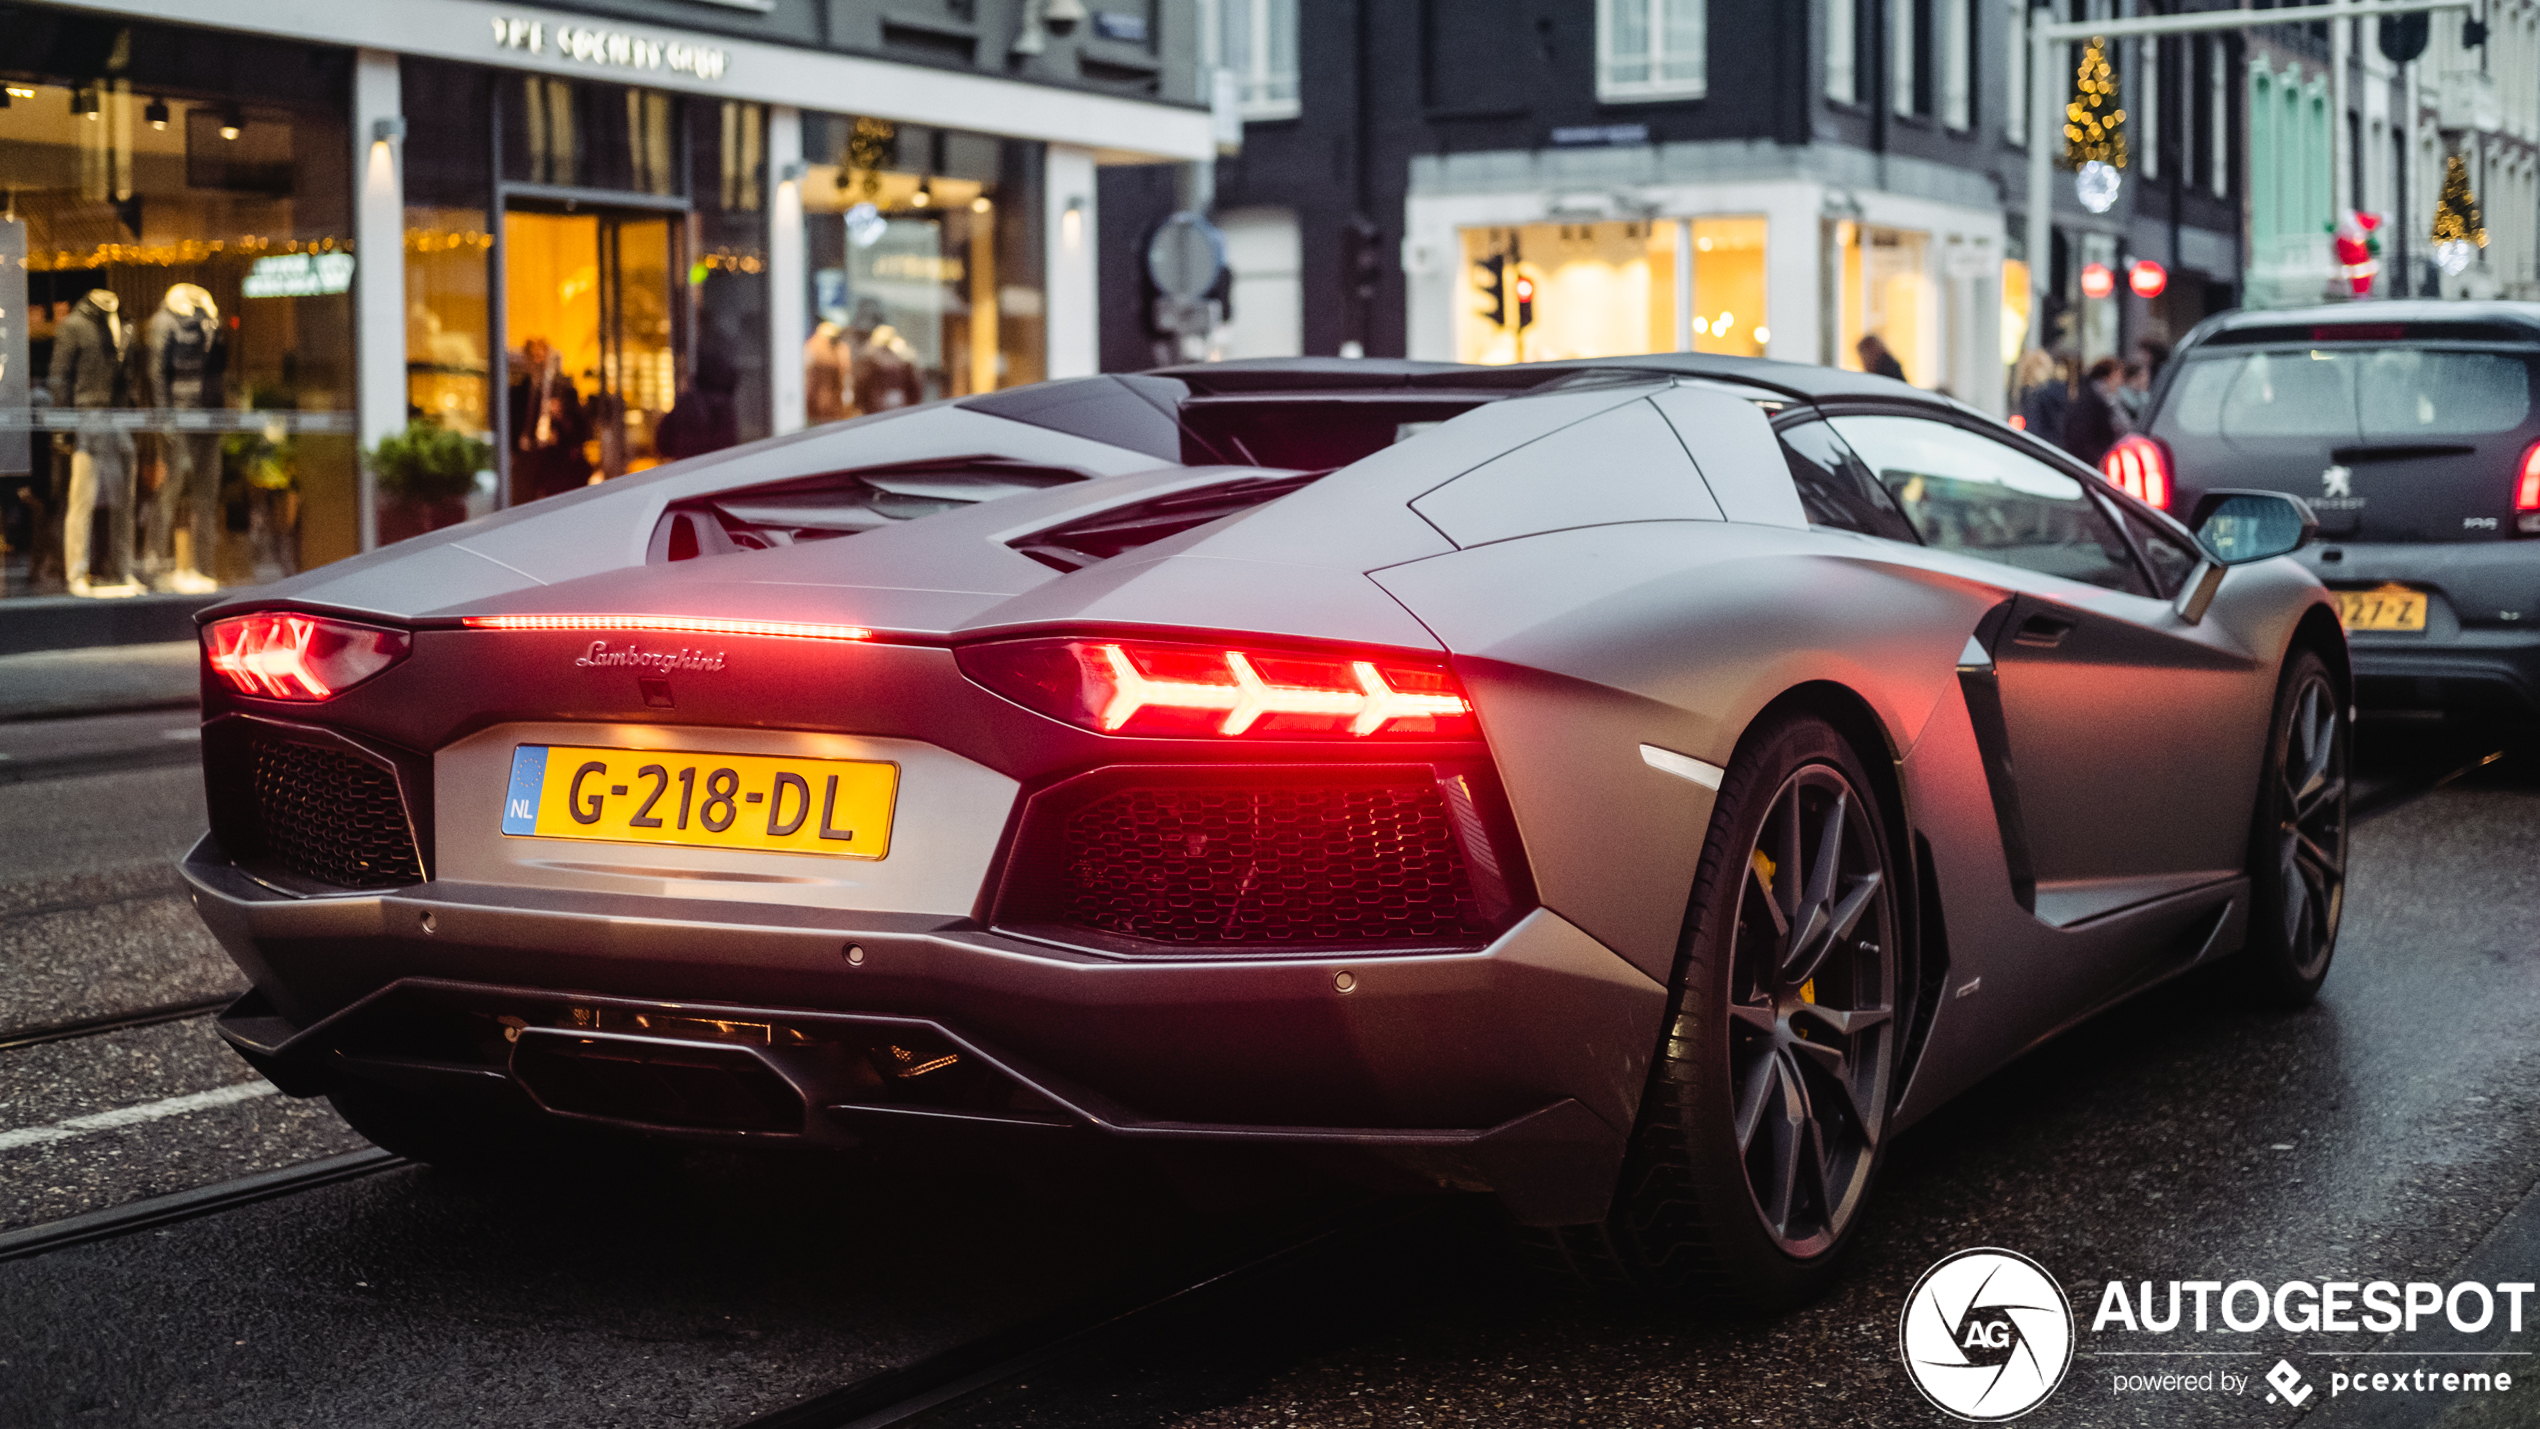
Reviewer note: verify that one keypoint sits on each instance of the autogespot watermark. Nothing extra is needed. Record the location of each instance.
(1987, 1335)
(2313, 1308)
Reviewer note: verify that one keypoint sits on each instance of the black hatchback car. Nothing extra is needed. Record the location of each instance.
(2412, 429)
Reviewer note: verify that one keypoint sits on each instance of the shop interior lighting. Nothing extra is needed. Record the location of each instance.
(156, 113)
(925, 194)
(230, 123)
(981, 204)
(84, 101)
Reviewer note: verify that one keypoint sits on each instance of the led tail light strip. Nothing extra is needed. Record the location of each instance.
(281, 655)
(1152, 687)
(1248, 697)
(680, 625)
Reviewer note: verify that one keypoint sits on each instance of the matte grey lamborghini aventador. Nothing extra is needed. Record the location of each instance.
(1637, 789)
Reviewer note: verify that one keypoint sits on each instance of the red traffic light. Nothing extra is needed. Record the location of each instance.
(2097, 281)
(1525, 290)
(2147, 278)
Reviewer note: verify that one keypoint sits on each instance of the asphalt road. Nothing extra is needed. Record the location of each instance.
(2387, 1133)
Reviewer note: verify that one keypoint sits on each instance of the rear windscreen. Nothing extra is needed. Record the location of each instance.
(2369, 393)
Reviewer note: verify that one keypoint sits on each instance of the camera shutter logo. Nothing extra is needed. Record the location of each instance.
(1986, 1335)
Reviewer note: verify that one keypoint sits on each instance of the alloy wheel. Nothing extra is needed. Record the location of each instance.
(1812, 1002)
(2310, 826)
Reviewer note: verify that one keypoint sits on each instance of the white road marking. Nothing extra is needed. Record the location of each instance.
(135, 1115)
(1683, 766)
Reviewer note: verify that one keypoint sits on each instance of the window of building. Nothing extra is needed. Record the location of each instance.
(1955, 24)
(1613, 289)
(1651, 49)
(1256, 41)
(176, 320)
(2015, 98)
(595, 303)
(925, 252)
(1905, 92)
(1887, 292)
(1842, 57)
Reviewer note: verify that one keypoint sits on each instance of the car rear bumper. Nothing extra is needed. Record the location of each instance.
(1515, 1068)
(2480, 649)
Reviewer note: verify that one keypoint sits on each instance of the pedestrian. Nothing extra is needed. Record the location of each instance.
(2133, 390)
(2042, 397)
(2090, 428)
(1876, 359)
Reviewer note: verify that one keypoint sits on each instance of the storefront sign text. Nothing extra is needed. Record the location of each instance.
(298, 275)
(615, 48)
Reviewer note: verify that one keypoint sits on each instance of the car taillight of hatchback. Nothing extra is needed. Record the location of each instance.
(2527, 492)
(2140, 467)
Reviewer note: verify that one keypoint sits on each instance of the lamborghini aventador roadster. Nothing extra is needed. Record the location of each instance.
(1637, 789)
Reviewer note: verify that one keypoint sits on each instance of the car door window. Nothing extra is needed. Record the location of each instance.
(2171, 558)
(1970, 493)
(1835, 488)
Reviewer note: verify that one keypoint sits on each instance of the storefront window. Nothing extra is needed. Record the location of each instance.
(175, 405)
(1886, 292)
(1613, 289)
(925, 256)
(609, 283)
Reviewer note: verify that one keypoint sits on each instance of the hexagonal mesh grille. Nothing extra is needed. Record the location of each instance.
(330, 816)
(1248, 864)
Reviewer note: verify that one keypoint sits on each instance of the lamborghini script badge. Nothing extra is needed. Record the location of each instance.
(660, 662)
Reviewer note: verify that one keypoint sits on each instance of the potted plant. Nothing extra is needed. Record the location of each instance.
(425, 474)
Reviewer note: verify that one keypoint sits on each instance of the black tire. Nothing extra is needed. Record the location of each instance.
(2298, 842)
(1721, 1201)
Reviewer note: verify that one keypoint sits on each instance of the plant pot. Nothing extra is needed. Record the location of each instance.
(404, 517)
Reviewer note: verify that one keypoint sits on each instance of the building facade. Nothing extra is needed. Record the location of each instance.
(244, 242)
(1760, 177)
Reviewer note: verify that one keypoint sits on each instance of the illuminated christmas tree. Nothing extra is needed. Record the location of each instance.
(2094, 129)
(2456, 217)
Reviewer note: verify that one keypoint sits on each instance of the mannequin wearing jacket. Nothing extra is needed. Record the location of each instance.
(183, 359)
(89, 349)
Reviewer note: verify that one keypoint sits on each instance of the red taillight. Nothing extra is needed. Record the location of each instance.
(281, 655)
(2139, 467)
(2527, 487)
(670, 624)
(1146, 687)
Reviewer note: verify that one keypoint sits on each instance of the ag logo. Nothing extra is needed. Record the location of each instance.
(1987, 1335)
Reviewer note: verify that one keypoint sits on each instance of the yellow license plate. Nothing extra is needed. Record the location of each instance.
(2389, 608)
(840, 807)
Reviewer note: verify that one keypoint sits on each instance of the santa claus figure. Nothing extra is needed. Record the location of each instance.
(2358, 243)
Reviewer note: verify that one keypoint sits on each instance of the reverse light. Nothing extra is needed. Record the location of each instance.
(1140, 687)
(282, 655)
(2139, 467)
(2527, 492)
(680, 625)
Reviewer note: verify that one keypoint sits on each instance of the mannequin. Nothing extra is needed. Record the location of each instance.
(89, 349)
(827, 389)
(185, 357)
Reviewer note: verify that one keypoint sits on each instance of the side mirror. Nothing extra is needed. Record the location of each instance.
(2237, 527)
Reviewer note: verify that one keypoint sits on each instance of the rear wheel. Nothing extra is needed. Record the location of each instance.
(1767, 1111)
(2297, 851)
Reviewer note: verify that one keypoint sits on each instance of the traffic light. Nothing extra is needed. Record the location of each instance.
(1495, 288)
(1364, 256)
(1525, 302)
(2403, 37)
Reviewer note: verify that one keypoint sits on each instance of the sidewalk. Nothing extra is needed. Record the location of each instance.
(100, 679)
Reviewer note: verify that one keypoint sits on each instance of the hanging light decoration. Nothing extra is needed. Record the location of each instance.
(2094, 131)
(2459, 232)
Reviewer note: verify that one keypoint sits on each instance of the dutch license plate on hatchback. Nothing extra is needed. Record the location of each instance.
(839, 807)
(2389, 608)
